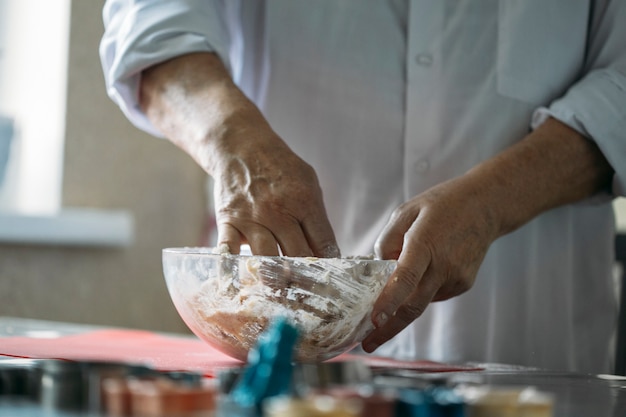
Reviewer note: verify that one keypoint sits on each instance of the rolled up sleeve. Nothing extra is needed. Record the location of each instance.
(142, 33)
(596, 105)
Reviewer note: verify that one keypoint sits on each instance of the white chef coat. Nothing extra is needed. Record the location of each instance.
(388, 98)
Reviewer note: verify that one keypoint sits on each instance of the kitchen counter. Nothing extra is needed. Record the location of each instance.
(577, 395)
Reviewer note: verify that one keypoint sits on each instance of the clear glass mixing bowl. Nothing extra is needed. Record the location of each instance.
(229, 300)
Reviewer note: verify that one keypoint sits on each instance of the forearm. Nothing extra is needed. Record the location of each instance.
(265, 195)
(553, 166)
(193, 101)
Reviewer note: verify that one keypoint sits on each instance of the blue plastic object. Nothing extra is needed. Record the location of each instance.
(431, 402)
(412, 403)
(269, 370)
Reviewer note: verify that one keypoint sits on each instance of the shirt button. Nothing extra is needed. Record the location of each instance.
(422, 166)
(424, 60)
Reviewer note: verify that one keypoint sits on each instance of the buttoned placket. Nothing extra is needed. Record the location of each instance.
(423, 29)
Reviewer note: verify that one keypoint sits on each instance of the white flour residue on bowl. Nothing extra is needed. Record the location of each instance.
(330, 300)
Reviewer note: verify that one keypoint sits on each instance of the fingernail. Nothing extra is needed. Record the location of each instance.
(370, 347)
(381, 319)
(331, 251)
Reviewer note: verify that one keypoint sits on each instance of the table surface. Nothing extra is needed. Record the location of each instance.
(577, 395)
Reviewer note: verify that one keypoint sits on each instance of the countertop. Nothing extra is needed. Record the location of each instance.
(577, 395)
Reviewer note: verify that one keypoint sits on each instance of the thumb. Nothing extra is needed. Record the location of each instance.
(390, 241)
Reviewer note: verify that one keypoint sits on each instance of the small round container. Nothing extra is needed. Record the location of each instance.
(326, 375)
(314, 406)
(19, 379)
(63, 386)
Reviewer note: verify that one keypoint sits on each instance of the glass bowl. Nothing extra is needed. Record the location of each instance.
(229, 300)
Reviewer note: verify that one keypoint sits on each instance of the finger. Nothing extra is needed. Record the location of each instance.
(229, 236)
(291, 239)
(412, 307)
(403, 281)
(391, 312)
(391, 239)
(320, 236)
(261, 240)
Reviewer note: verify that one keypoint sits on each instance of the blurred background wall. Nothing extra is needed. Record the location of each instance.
(107, 164)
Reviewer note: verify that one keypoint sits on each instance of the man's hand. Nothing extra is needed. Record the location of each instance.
(441, 236)
(265, 195)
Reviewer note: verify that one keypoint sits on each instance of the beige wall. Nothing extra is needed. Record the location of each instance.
(108, 164)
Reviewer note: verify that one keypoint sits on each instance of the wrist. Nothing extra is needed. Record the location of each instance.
(552, 166)
(196, 105)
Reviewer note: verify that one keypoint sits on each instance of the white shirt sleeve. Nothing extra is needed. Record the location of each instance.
(141, 33)
(596, 105)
